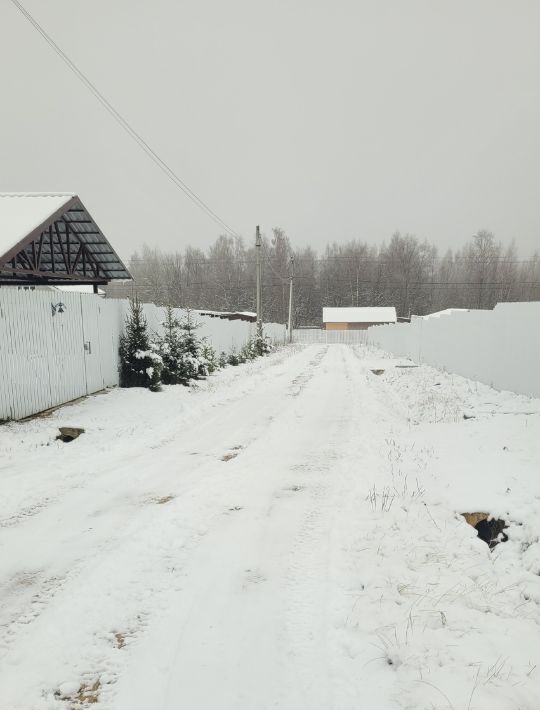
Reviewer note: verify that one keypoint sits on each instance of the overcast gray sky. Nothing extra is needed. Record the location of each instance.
(333, 119)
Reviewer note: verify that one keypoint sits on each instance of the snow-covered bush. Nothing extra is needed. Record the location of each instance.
(255, 347)
(249, 351)
(233, 359)
(210, 355)
(140, 361)
(223, 359)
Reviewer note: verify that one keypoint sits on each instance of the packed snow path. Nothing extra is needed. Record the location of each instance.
(286, 536)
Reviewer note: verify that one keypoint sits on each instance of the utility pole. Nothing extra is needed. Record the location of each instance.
(258, 247)
(291, 278)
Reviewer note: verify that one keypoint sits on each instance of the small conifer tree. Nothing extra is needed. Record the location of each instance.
(249, 350)
(171, 346)
(223, 359)
(234, 359)
(210, 355)
(140, 363)
(262, 344)
(194, 365)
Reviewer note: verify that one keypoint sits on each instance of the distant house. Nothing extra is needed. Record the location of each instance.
(357, 318)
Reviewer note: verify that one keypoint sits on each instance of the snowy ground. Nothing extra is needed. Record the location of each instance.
(286, 536)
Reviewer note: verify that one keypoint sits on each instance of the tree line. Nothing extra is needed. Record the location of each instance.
(407, 273)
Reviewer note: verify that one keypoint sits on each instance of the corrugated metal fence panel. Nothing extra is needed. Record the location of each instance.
(41, 352)
(43, 361)
(318, 335)
(111, 324)
(24, 354)
(91, 324)
(276, 332)
(223, 335)
(67, 373)
(43, 358)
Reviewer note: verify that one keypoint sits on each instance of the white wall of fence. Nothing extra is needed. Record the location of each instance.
(500, 347)
(52, 356)
(224, 335)
(319, 335)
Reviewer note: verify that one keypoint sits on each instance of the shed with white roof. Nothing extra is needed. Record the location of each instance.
(357, 318)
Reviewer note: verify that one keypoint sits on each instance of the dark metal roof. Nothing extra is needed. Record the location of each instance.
(67, 247)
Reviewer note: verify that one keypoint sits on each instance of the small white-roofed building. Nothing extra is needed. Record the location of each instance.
(356, 318)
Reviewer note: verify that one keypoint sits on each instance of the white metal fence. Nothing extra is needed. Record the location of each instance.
(57, 346)
(319, 335)
(500, 347)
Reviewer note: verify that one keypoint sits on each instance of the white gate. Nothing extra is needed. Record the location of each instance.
(91, 344)
(320, 335)
(65, 353)
(54, 347)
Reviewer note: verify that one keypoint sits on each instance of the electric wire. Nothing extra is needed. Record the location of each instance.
(123, 122)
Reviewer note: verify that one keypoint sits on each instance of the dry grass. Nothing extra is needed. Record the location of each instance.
(25, 579)
(474, 518)
(165, 499)
(87, 695)
(229, 456)
(119, 640)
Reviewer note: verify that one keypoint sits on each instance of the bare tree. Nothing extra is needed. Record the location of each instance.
(406, 273)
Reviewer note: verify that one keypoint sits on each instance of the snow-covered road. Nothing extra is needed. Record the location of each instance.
(285, 536)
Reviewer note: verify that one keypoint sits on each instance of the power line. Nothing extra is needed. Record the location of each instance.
(365, 282)
(322, 260)
(163, 166)
(267, 257)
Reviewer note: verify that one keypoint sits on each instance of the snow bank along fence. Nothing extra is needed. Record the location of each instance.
(56, 346)
(500, 348)
(319, 335)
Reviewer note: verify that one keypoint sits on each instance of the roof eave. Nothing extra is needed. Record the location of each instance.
(36, 232)
(130, 277)
(73, 201)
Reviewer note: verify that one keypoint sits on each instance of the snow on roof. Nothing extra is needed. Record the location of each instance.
(371, 314)
(20, 213)
(446, 312)
(79, 288)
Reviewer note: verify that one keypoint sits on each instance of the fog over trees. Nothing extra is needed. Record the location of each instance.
(406, 273)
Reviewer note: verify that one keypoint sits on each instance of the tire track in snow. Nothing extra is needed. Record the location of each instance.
(110, 460)
(108, 555)
(308, 576)
(302, 380)
(324, 672)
